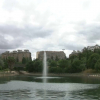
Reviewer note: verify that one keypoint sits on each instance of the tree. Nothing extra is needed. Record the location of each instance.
(79, 55)
(30, 58)
(92, 60)
(63, 63)
(10, 62)
(56, 58)
(29, 66)
(72, 57)
(76, 66)
(17, 60)
(1, 64)
(34, 66)
(37, 64)
(97, 65)
(53, 63)
(24, 60)
(52, 58)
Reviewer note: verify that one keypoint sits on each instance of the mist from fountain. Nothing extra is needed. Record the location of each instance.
(45, 68)
(45, 73)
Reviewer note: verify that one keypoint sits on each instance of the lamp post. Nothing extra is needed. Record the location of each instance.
(64, 52)
(63, 49)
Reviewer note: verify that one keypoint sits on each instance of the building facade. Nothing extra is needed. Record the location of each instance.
(18, 55)
(51, 55)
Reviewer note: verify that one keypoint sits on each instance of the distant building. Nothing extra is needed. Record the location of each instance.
(51, 55)
(92, 48)
(18, 55)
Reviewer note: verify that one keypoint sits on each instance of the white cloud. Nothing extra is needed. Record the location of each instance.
(49, 24)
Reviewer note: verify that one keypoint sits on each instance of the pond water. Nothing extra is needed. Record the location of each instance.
(52, 88)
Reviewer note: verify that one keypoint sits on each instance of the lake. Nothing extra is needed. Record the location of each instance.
(52, 88)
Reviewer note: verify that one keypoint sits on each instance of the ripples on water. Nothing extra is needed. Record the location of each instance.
(47, 95)
(25, 90)
(31, 95)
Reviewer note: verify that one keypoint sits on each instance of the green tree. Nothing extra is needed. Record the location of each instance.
(24, 60)
(97, 65)
(53, 63)
(79, 55)
(56, 58)
(30, 67)
(72, 57)
(63, 63)
(17, 60)
(34, 66)
(92, 60)
(1, 64)
(38, 64)
(10, 62)
(52, 58)
(76, 66)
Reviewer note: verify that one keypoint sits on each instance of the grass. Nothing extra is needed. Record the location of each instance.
(90, 71)
(4, 70)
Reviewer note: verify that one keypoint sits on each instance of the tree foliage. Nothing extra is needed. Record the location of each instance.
(34, 66)
(92, 60)
(75, 63)
(1, 64)
(97, 65)
(24, 60)
(10, 62)
(53, 63)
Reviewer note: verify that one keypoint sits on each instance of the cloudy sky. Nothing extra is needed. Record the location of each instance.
(49, 25)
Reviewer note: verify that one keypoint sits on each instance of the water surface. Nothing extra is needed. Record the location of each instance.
(52, 88)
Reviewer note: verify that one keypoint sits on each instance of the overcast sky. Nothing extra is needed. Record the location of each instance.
(49, 25)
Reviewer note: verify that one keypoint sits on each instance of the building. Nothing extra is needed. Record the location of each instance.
(51, 55)
(91, 48)
(18, 55)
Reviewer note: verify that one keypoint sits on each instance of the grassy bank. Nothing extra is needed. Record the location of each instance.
(86, 73)
(8, 73)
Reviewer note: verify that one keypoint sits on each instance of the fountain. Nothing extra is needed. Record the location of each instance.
(45, 68)
(45, 71)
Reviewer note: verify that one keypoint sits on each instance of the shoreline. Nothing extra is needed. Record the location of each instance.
(94, 75)
(7, 73)
(15, 73)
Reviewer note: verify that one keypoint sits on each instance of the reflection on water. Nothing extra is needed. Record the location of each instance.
(44, 92)
(51, 94)
(35, 95)
(14, 94)
(68, 79)
(62, 88)
(89, 94)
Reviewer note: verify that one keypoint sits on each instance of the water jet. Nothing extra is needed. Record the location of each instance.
(45, 68)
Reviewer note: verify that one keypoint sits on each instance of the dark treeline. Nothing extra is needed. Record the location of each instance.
(13, 64)
(75, 63)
